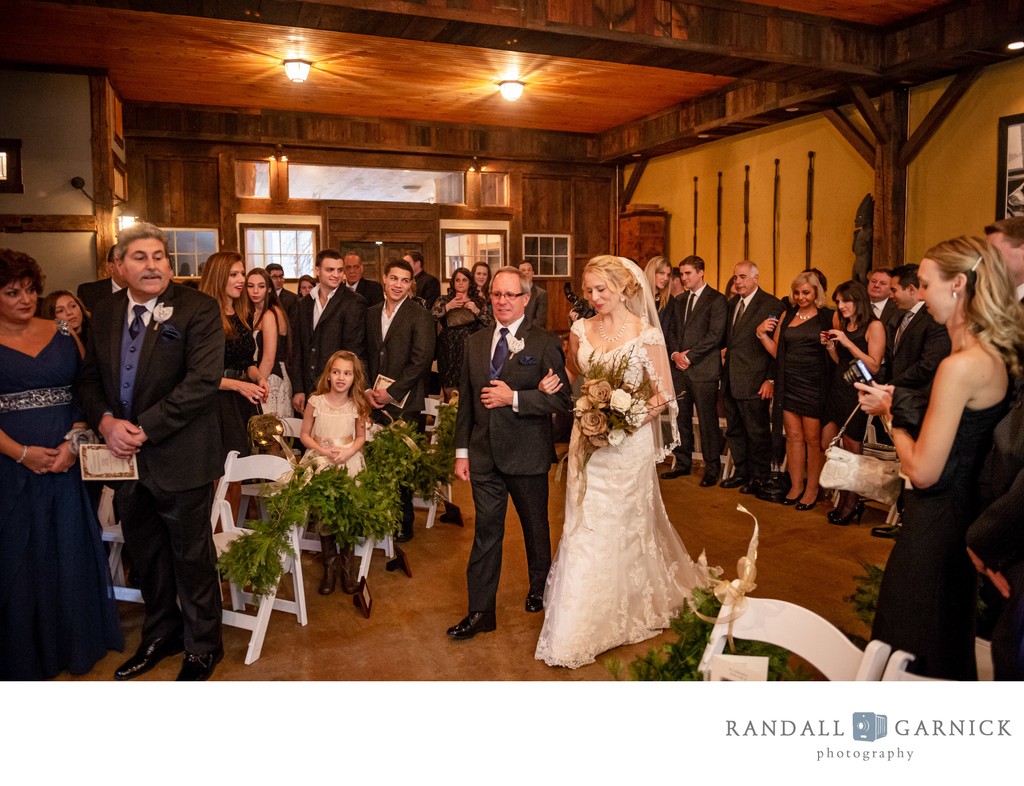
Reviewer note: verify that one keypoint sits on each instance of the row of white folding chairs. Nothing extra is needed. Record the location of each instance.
(819, 642)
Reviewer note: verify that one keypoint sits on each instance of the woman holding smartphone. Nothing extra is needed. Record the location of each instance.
(855, 335)
(927, 601)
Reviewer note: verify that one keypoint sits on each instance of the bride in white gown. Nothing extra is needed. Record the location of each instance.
(621, 572)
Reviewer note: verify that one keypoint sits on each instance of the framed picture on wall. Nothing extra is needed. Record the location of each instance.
(1010, 182)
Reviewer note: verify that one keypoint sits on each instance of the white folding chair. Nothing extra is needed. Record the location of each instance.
(111, 533)
(266, 468)
(896, 668)
(802, 632)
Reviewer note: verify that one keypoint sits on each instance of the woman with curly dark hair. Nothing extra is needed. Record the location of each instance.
(57, 610)
(459, 313)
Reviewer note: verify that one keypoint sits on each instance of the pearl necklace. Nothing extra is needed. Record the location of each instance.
(617, 336)
(803, 318)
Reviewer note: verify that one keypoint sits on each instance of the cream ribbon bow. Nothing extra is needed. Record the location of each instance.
(734, 593)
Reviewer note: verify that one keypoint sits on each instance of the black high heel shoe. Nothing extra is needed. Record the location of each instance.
(835, 517)
(806, 506)
(789, 502)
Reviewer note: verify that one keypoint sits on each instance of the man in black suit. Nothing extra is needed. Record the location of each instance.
(289, 300)
(915, 345)
(537, 308)
(371, 291)
(696, 332)
(149, 386)
(400, 343)
(748, 381)
(1007, 235)
(428, 288)
(92, 292)
(504, 445)
(331, 318)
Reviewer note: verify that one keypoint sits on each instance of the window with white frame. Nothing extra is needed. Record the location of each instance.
(549, 254)
(189, 248)
(292, 246)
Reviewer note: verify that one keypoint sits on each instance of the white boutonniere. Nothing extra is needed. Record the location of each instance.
(515, 345)
(161, 314)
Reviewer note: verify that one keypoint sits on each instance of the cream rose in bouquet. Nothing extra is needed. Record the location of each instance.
(612, 403)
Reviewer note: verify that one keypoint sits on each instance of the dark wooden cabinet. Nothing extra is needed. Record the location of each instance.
(643, 233)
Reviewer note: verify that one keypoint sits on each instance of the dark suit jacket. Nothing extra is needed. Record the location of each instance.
(92, 292)
(175, 396)
(341, 326)
(290, 303)
(747, 362)
(922, 347)
(513, 443)
(537, 308)
(405, 355)
(890, 314)
(428, 289)
(703, 335)
(372, 292)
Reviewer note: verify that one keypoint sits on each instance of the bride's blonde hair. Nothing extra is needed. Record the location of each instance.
(615, 274)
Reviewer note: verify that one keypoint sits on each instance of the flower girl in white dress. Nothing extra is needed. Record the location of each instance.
(621, 572)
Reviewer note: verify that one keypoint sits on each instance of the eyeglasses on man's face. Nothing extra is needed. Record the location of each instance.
(506, 295)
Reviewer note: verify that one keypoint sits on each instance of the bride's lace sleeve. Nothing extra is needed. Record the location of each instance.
(659, 371)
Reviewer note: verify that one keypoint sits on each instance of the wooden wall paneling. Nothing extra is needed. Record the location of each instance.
(102, 169)
(515, 201)
(201, 192)
(547, 204)
(17, 222)
(890, 230)
(163, 182)
(592, 216)
(386, 222)
(228, 201)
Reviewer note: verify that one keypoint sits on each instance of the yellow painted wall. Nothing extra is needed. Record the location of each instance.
(841, 179)
(951, 191)
(952, 182)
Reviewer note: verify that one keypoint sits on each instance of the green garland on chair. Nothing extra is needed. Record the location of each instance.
(350, 509)
(679, 660)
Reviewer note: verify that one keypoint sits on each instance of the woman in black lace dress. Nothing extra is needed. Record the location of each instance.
(242, 387)
(459, 313)
(927, 601)
(855, 335)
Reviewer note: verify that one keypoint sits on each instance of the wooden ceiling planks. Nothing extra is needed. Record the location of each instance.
(868, 12)
(174, 59)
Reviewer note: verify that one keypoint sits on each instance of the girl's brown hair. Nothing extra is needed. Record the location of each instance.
(357, 391)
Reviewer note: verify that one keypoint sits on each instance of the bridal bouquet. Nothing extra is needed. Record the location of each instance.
(612, 404)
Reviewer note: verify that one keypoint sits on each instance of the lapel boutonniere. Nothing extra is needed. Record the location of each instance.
(515, 345)
(161, 314)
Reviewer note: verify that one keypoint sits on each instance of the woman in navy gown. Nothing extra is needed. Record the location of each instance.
(928, 598)
(57, 610)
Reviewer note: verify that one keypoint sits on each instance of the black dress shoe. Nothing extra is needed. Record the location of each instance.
(403, 537)
(476, 622)
(735, 482)
(678, 472)
(534, 602)
(198, 668)
(709, 479)
(886, 532)
(147, 656)
(806, 505)
(752, 487)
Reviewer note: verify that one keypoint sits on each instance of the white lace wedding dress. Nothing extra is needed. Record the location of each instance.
(621, 572)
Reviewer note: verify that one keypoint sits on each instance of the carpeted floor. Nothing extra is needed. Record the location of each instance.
(802, 558)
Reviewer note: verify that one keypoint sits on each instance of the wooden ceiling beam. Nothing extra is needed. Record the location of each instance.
(333, 132)
(864, 147)
(734, 39)
(732, 110)
(939, 112)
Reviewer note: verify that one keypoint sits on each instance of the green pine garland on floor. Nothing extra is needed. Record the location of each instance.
(679, 660)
